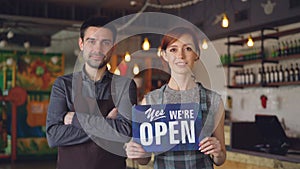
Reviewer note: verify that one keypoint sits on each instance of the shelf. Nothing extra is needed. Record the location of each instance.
(259, 58)
(268, 36)
(295, 56)
(248, 62)
(277, 84)
(244, 86)
(267, 60)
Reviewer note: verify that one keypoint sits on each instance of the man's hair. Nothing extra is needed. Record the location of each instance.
(98, 22)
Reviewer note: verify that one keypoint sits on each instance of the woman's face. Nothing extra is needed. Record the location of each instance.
(181, 55)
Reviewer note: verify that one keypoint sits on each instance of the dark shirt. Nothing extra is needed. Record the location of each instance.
(81, 144)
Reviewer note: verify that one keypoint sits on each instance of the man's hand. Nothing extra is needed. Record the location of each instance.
(68, 118)
(112, 114)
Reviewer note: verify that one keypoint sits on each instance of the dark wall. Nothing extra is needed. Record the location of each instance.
(243, 16)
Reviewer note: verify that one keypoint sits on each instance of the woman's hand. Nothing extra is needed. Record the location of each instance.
(211, 146)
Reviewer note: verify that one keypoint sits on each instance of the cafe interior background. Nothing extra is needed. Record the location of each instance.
(259, 81)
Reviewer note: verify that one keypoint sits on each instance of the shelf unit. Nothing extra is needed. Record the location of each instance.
(262, 59)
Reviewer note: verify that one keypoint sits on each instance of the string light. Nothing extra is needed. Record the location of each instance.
(108, 66)
(136, 69)
(26, 45)
(117, 71)
(10, 35)
(204, 44)
(250, 42)
(127, 57)
(146, 44)
(158, 51)
(225, 21)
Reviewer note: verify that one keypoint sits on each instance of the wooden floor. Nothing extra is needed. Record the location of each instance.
(236, 165)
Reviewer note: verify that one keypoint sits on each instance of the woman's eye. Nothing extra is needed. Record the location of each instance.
(189, 49)
(173, 50)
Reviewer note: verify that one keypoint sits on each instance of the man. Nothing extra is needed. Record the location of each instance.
(89, 112)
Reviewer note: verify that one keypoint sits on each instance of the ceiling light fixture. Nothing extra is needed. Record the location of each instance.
(3, 43)
(146, 44)
(204, 44)
(136, 69)
(250, 42)
(10, 34)
(117, 71)
(225, 21)
(26, 45)
(127, 57)
(108, 66)
(159, 51)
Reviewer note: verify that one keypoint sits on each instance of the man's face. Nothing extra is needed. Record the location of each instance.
(97, 46)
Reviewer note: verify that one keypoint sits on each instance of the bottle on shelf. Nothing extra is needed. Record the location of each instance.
(252, 77)
(259, 76)
(276, 79)
(292, 73)
(291, 48)
(286, 74)
(246, 77)
(281, 74)
(242, 77)
(279, 51)
(272, 75)
(267, 75)
(297, 72)
(296, 51)
(274, 52)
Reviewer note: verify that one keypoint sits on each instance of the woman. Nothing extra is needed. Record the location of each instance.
(180, 49)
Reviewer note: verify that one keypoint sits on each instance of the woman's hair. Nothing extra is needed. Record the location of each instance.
(174, 34)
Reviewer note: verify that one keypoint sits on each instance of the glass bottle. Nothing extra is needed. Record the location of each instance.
(259, 76)
(297, 72)
(292, 73)
(280, 74)
(286, 74)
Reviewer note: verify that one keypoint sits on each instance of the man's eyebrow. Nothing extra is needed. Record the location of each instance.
(89, 38)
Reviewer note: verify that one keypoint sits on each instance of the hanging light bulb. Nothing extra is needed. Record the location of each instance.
(3, 43)
(26, 45)
(146, 44)
(10, 35)
(225, 21)
(108, 66)
(159, 51)
(127, 57)
(250, 42)
(204, 44)
(136, 69)
(117, 71)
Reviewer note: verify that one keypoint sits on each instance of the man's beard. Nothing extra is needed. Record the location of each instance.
(98, 65)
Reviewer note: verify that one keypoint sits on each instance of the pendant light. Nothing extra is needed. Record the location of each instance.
(146, 44)
(250, 42)
(225, 21)
(127, 57)
(136, 69)
(117, 71)
(204, 44)
(108, 66)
